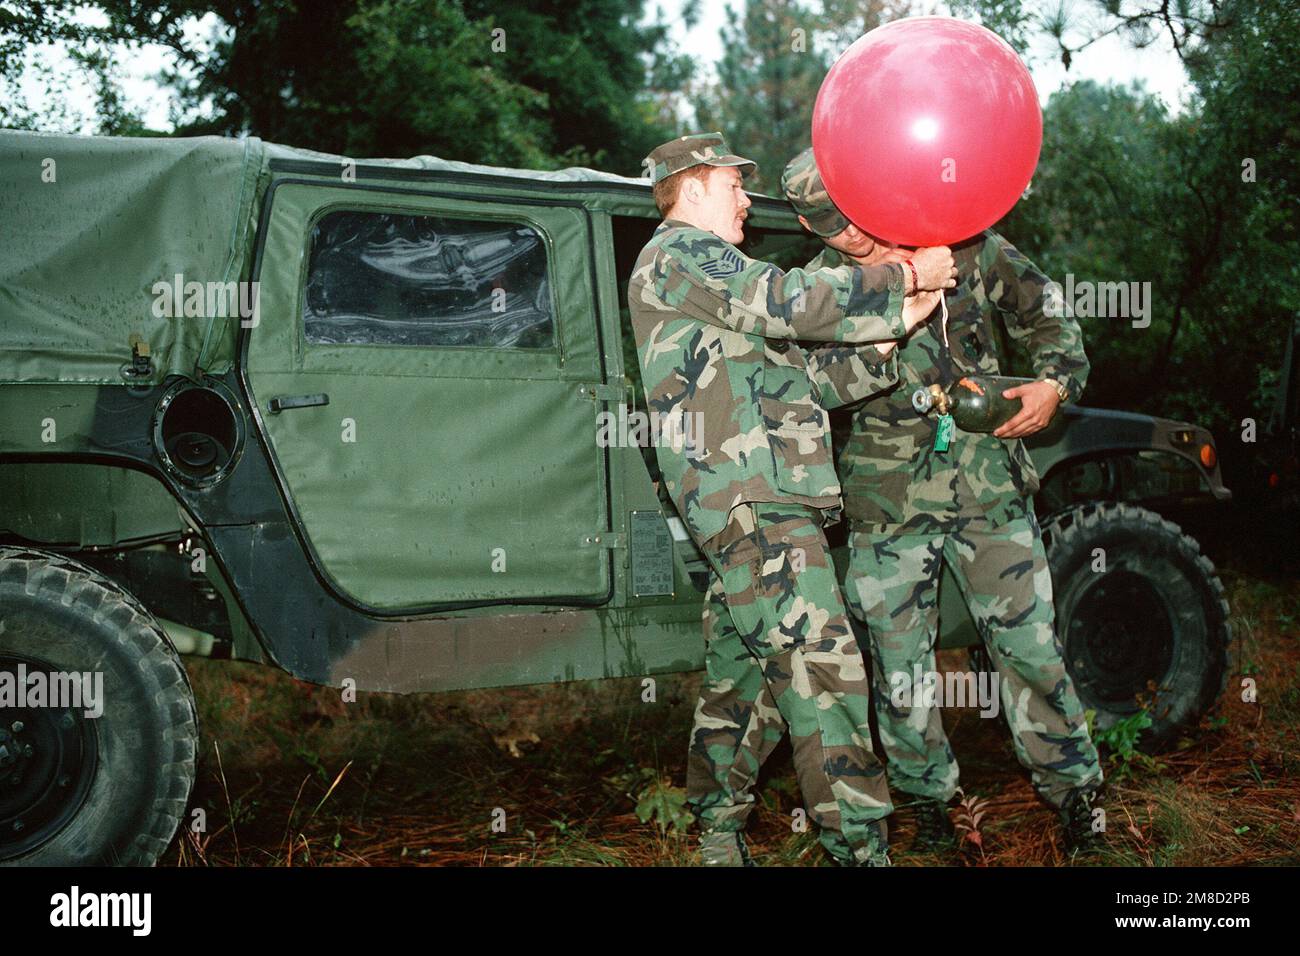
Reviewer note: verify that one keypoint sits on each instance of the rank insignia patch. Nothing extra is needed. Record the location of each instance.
(727, 264)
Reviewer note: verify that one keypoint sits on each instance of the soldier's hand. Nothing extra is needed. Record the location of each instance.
(935, 268)
(917, 308)
(1038, 402)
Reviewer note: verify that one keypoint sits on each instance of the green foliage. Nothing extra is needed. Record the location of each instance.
(1123, 735)
(776, 53)
(1127, 192)
(512, 82)
(663, 803)
(29, 28)
(767, 82)
(1121, 739)
(1007, 18)
(428, 78)
(600, 69)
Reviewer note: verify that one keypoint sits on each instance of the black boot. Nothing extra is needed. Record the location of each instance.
(724, 848)
(1076, 824)
(934, 830)
(868, 856)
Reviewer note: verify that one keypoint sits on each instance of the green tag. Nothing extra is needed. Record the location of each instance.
(943, 433)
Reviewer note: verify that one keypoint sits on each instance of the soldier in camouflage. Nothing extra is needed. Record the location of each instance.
(715, 334)
(911, 508)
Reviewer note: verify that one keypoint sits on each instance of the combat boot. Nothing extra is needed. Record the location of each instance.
(934, 829)
(724, 848)
(867, 857)
(1076, 824)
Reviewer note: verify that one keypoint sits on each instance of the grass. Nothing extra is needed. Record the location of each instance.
(586, 774)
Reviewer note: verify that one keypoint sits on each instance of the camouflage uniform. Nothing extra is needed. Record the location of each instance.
(911, 508)
(715, 335)
(738, 719)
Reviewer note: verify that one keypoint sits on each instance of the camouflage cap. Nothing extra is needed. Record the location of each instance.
(687, 151)
(804, 188)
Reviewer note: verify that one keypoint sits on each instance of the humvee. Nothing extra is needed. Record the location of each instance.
(267, 404)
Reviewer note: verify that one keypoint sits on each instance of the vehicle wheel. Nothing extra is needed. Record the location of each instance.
(78, 790)
(1155, 617)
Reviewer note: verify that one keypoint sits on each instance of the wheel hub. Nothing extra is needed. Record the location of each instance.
(13, 751)
(47, 763)
(1120, 639)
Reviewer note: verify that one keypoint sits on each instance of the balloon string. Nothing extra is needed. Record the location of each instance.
(943, 305)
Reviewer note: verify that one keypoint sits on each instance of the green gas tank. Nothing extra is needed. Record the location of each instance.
(975, 402)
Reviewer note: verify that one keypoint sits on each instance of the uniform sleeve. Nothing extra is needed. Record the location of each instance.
(1016, 287)
(844, 374)
(710, 280)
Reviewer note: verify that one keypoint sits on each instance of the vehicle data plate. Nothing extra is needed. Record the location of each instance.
(652, 554)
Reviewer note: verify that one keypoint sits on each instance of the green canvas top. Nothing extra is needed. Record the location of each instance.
(573, 174)
(91, 225)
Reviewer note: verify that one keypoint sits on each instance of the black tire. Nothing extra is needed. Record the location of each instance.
(98, 791)
(1156, 618)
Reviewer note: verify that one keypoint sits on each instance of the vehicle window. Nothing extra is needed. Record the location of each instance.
(378, 278)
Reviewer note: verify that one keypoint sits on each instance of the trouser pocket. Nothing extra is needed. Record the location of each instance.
(742, 585)
(780, 586)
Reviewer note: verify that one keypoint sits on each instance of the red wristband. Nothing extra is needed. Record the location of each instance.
(916, 282)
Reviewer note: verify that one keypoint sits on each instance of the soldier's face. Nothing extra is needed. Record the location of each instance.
(859, 245)
(723, 203)
(865, 247)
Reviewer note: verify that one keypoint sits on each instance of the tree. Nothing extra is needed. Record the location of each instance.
(29, 25)
(1203, 205)
(775, 58)
(508, 81)
(599, 69)
(1108, 167)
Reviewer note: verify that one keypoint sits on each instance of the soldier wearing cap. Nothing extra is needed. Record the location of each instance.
(912, 506)
(716, 335)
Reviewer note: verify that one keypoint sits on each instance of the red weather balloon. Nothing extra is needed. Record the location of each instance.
(927, 130)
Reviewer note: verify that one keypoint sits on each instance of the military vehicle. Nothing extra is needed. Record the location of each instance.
(341, 417)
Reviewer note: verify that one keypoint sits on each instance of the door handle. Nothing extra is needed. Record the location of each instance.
(282, 402)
